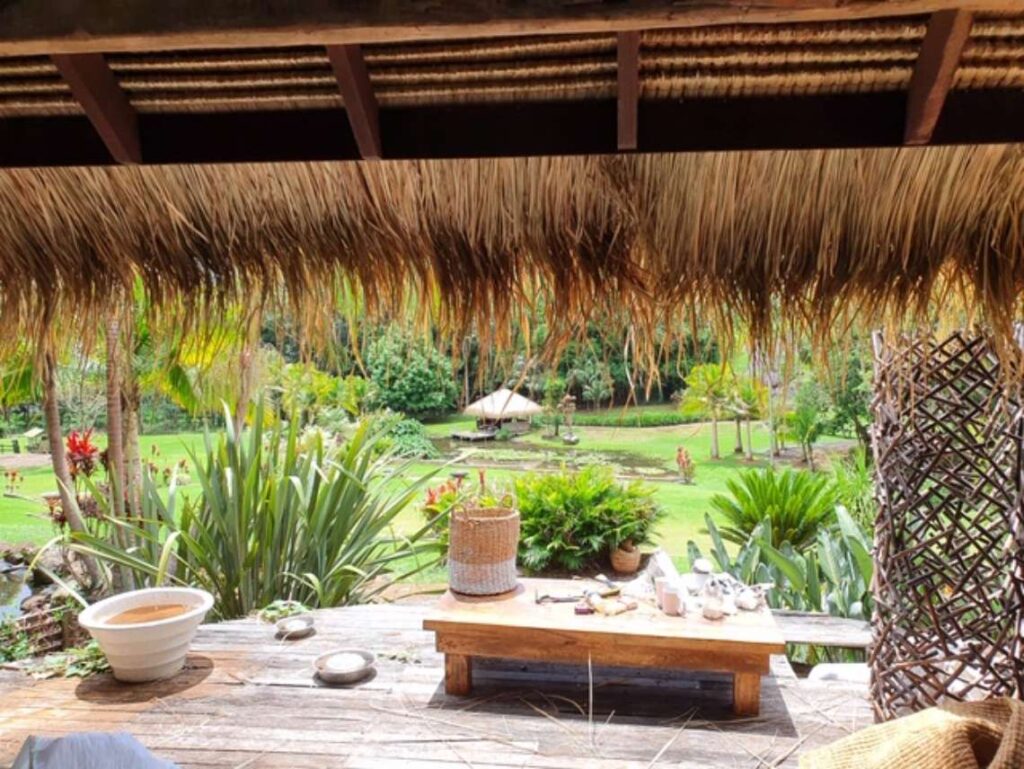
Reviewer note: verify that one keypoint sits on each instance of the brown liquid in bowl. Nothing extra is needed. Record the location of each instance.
(149, 613)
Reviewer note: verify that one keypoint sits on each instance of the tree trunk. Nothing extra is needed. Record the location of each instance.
(863, 436)
(115, 444)
(247, 374)
(130, 402)
(132, 447)
(115, 423)
(714, 436)
(750, 441)
(738, 449)
(66, 486)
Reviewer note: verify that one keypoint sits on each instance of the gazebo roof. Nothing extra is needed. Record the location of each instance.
(503, 404)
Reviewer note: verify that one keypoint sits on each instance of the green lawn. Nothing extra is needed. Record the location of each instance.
(648, 453)
(24, 519)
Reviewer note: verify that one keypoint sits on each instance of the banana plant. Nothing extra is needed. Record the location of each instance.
(834, 576)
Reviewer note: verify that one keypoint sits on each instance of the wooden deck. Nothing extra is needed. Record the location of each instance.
(247, 700)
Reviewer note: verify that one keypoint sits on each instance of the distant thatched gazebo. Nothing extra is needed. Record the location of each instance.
(504, 409)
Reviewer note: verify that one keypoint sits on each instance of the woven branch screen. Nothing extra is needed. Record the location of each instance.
(949, 569)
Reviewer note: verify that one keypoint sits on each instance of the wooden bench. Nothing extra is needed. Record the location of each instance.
(11, 446)
(517, 627)
(816, 629)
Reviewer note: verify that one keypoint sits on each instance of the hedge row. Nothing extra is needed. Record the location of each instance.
(628, 418)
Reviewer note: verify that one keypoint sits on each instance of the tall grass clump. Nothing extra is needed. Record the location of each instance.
(277, 518)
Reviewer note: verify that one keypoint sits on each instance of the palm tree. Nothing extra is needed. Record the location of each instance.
(708, 394)
(157, 358)
(55, 435)
(750, 398)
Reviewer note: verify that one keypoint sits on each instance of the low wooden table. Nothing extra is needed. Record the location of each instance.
(516, 627)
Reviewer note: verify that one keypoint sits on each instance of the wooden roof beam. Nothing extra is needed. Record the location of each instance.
(94, 87)
(629, 89)
(357, 93)
(943, 45)
(30, 27)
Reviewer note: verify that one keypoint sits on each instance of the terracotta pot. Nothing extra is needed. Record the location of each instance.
(626, 561)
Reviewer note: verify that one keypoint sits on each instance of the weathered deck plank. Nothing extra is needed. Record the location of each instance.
(248, 700)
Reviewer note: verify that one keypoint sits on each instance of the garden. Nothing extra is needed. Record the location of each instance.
(351, 475)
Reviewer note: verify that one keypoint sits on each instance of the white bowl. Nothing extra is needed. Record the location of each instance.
(146, 651)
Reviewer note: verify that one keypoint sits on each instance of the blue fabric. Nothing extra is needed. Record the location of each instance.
(92, 750)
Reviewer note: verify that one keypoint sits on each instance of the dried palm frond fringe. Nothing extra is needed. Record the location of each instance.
(806, 241)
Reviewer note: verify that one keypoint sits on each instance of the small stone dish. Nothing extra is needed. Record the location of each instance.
(295, 627)
(344, 666)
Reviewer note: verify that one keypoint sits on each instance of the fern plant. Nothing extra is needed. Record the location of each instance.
(570, 520)
(796, 504)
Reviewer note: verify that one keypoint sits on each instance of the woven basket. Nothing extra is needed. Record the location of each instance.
(482, 550)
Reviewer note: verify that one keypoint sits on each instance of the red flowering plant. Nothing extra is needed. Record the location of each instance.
(438, 504)
(83, 455)
(12, 480)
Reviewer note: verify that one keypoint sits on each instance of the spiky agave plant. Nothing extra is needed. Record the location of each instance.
(275, 521)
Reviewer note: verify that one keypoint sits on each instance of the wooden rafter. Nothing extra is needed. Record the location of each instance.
(95, 88)
(357, 93)
(629, 88)
(519, 130)
(30, 27)
(933, 74)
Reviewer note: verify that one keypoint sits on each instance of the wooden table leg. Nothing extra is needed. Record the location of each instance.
(458, 674)
(746, 694)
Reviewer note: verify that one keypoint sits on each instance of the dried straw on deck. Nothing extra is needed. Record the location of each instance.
(805, 238)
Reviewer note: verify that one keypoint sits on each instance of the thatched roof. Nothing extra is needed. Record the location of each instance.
(503, 404)
(806, 238)
(731, 60)
(820, 74)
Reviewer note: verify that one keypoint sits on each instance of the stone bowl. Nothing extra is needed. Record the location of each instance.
(146, 651)
(324, 673)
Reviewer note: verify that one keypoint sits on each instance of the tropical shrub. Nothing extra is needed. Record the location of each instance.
(624, 417)
(811, 415)
(408, 375)
(408, 438)
(272, 522)
(440, 500)
(797, 505)
(437, 507)
(570, 520)
(833, 575)
(855, 488)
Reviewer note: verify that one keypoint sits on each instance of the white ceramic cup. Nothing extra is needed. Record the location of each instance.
(659, 588)
(146, 651)
(670, 600)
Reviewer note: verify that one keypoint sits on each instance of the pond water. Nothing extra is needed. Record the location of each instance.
(13, 590)
(528, 456)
